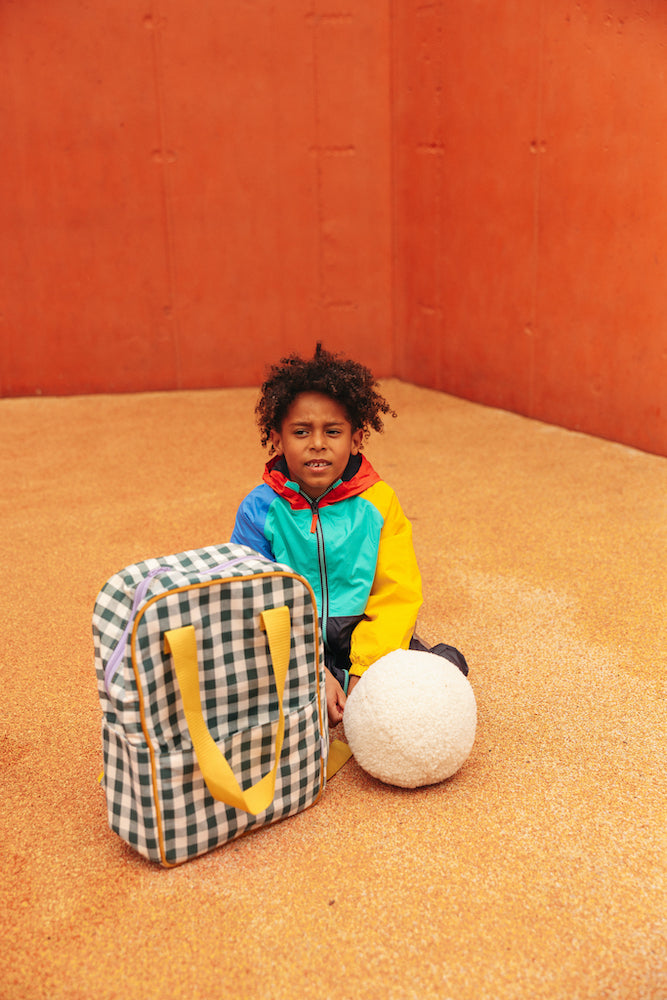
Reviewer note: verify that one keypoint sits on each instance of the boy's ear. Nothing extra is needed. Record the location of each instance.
(355, 444)
(277, 443)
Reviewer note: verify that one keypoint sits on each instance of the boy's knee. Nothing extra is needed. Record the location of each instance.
(450, 653)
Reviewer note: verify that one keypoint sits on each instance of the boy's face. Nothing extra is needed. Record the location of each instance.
(317, 440)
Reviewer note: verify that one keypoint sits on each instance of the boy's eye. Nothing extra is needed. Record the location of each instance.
(301, 432)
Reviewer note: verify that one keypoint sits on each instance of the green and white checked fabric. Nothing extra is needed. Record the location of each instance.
(156, 796)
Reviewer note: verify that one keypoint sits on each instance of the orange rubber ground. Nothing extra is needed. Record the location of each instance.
(537, 872)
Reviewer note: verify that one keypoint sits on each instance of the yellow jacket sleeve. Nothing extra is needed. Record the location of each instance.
(396, 594)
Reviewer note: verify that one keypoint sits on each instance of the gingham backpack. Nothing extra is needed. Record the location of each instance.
(213, 696)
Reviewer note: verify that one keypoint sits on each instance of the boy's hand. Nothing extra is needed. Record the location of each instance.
(335, 699)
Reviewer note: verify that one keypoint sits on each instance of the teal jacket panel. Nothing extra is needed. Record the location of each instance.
(335, 549)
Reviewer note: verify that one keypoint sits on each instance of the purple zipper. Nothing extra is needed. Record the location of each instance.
(139, 594)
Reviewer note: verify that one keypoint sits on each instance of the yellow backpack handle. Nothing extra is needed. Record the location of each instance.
(218, 775)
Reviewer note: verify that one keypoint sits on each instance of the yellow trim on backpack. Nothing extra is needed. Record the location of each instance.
(142, 712)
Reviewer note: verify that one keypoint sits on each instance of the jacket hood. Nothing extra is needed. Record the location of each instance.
(358, 475)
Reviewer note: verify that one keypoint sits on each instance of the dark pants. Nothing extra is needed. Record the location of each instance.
(441, 649)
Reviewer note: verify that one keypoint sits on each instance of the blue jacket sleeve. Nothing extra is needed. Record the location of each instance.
(250, 521)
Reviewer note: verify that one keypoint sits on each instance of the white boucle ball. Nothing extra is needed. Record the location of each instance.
(411, 719)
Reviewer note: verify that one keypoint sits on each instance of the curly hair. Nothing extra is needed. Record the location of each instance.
(348, 382)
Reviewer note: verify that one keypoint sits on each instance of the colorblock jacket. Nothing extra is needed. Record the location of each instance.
(353, 545)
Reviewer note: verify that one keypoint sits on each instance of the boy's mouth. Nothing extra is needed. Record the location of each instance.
(318, 464)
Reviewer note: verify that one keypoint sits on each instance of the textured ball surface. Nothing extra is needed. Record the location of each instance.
(411, 719)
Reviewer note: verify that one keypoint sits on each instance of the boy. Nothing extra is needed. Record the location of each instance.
(324, 511)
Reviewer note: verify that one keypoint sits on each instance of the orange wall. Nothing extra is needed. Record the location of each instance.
(531, 208)
(470, 195)
(193, 189)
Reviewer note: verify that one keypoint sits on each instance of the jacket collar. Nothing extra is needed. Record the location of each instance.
(358, 475)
